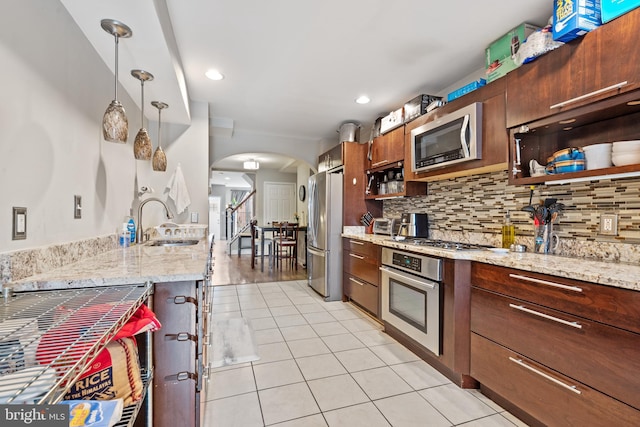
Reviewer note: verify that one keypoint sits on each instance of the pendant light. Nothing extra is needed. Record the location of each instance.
(142, 147)
(159, 158)
(115, 127)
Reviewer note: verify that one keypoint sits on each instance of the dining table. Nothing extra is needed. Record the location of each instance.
(270, 228)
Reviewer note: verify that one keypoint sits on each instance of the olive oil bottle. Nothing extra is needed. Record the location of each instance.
(508, 232)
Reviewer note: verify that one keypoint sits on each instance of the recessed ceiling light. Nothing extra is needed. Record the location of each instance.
(363, 99)
(632, 103)
(227, 178)
(566, 122)
(214, 74)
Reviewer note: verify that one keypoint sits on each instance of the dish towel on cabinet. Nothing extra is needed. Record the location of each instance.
(178, 190)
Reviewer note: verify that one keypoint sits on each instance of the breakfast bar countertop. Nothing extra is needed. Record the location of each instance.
(123, 266)
(616, 274)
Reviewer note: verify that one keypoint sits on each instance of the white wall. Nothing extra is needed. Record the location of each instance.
(302, 206)
(55, 89)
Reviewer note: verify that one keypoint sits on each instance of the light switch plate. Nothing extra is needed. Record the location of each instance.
(194, 217)
(609, 224)
(19, 223)
(77, 207)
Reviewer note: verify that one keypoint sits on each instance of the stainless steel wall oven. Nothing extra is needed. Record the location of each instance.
(412, 296)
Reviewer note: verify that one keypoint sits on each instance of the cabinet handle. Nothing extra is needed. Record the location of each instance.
(542, 374)
(546, 316)
(181, 376)
(517, 160)
(356, 281)
(182, 299)
(181, 336)
(588, 95)
(381, 162)
(355, 242)
(546, 282)
(356, 256)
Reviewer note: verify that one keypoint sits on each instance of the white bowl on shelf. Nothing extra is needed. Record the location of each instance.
(598, 156)
(633, 145)
(623, 159)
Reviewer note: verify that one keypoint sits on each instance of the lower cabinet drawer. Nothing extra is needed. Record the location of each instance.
(596, 354)
(551, 398)
(362, 266)
(362, 292)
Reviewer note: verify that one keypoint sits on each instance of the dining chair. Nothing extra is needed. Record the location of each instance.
(286, 244)
(255, 242)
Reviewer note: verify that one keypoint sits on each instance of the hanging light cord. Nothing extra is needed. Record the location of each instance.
(116, 82)
(159, 121)
(142, 105)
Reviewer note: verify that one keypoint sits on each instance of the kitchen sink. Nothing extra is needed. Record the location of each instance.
(173, 242)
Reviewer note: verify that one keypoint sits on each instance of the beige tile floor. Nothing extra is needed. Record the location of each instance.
(328, 364)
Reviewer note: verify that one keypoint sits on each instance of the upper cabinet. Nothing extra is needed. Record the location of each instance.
(330, 159)
(494, 134)
(388, 148)
(603, 63)
(583, 93)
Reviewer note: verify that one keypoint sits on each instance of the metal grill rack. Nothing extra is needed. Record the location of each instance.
(130, 412)
(55, 334)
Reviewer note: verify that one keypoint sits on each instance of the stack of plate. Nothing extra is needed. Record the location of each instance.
(566, 160)
(598, 155)
(625, 153)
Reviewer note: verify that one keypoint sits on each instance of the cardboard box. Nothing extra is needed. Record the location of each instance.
(611, 9)
(392, 121)
(501, 53)
(572, 19)
(466, 89)
(418, 106)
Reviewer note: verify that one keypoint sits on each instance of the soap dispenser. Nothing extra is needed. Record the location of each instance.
(508, 232)
(131, 227)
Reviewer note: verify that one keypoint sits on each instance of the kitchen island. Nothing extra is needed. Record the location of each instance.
(178, 281)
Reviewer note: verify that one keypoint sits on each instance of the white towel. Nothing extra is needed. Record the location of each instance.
(178, 190)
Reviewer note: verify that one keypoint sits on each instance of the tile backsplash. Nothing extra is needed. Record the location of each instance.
(473, 209)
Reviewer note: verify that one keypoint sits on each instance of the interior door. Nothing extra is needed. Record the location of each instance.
(279, 201)
(214, 216)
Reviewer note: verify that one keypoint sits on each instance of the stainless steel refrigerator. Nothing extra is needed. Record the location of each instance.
(324, 248)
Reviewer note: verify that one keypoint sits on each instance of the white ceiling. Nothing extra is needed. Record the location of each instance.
(294, 68)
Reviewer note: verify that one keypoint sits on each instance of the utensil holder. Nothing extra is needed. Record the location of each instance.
(545, 240)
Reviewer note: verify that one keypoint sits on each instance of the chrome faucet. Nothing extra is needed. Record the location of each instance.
(140, 231)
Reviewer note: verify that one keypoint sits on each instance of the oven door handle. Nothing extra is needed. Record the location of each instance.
(419, 283)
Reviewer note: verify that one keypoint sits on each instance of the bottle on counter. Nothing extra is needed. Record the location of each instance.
(508, 232)
(131, 226)
(124, 239)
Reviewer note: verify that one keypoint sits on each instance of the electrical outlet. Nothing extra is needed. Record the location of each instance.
(77, 207)
(609, 224)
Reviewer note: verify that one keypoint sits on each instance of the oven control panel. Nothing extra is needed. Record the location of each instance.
(407, 261)
(418, 264)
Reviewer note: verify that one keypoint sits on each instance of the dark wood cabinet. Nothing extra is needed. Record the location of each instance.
(553, 398)
(355, 203)
(361, 277)
(494, 134)
(175, 355)
(585, 92)
(574, 345)
(601, 64)
(388, 148)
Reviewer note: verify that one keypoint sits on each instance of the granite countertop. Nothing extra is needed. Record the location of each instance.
(615, 274)
(124, 266)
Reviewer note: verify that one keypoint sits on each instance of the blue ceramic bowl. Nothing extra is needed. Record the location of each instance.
(568, 166)
(567, 154)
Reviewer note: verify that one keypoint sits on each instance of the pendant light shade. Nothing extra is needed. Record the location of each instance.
(159, 158)
(115, 126)
(142, 147)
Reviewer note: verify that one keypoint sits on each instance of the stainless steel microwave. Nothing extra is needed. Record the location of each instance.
(451, 139)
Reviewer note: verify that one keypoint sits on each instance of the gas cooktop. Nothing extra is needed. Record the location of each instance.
(443, 244)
